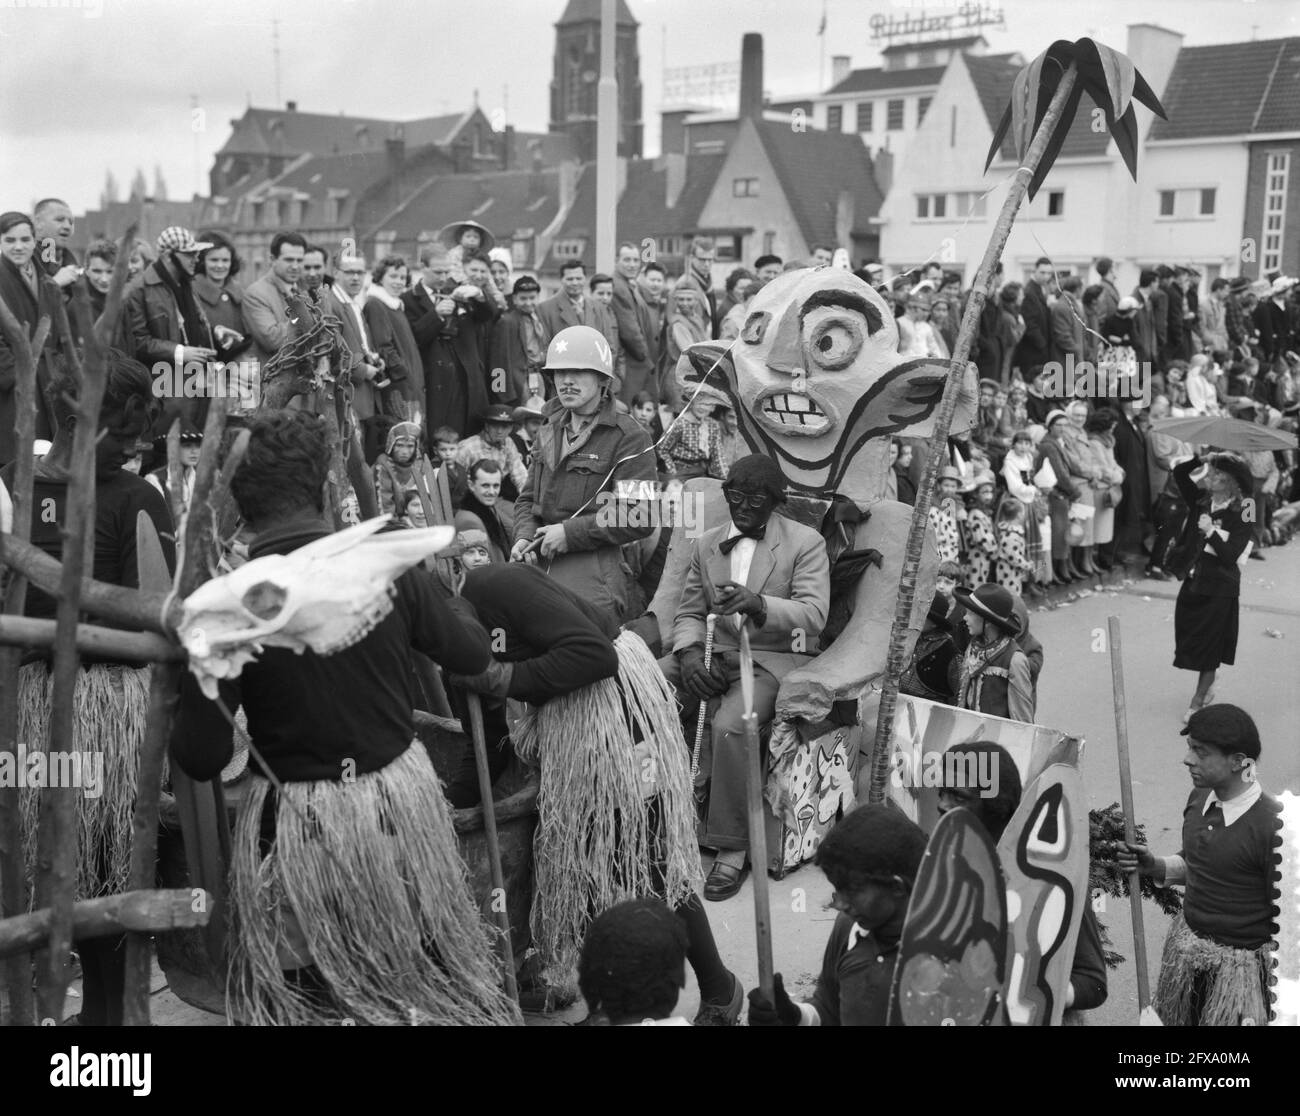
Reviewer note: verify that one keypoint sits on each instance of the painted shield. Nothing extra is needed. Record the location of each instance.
(1044, 856)
(951, 963)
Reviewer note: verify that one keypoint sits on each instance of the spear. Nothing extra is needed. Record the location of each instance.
(1044, 99)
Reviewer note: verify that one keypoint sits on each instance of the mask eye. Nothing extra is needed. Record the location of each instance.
(264, 600)
(835, 342)
(755, 327)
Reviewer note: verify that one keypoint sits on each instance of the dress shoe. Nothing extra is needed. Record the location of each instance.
(1084, 562)
(722, 1015)
(1103, 564)
(1063, 574)
(1257, 556)
(724, 881)
(1153, 574)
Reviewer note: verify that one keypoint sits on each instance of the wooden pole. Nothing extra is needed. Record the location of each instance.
(896, 662)
(499, 907)
(57, 839)
(1126, 802)
(18, 977)
(103, 643)
(145, 911)
(757, 821)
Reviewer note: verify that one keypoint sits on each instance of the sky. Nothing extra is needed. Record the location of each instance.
(88, 86)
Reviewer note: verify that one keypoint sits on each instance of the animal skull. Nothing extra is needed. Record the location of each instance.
(324, 596)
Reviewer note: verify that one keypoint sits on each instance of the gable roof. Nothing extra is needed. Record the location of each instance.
(876, 78)
(813, 168)
(283, 132)
(1232, 89)
(993, 76)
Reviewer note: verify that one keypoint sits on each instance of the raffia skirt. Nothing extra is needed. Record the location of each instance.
(616, 813)
(111, 703)
(1205, 984)
(364, 881)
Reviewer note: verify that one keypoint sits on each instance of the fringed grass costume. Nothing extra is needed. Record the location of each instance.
(1206, 984)
(616, 812)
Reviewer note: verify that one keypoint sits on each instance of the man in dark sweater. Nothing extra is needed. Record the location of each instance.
(344, 853)
(1214, 972)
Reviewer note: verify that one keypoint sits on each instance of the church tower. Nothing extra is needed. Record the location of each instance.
(577, 73)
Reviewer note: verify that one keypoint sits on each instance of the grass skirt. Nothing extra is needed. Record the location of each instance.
(616, 815)
(1234, 982)
(111, 706)
(366, 878)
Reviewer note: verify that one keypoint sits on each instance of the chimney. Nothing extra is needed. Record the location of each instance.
(839, 68)
(508, 147)
(844, 215)
(291, 106)
(1153, 50)
(674, 177)
(751, 75)
(395, 149)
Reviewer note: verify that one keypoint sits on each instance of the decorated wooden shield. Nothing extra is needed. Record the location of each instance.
(951, 964)
(1044, 857)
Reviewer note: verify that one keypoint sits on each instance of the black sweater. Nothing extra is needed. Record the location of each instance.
(557, 642)
(309, 714)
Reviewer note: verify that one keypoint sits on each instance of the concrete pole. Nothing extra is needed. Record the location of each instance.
(606, 142)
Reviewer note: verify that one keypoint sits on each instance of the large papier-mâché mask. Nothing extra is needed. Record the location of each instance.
(324, 596)
(818, 384)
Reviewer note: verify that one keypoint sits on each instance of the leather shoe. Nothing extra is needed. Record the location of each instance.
(1157, 575)
(724, 881)
(722, 1015)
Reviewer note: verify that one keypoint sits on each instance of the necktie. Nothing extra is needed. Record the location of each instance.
(728, 545)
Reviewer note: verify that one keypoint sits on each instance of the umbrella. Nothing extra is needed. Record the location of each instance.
(1224, 433)
(450, 234)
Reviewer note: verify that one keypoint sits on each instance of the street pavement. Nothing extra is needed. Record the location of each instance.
(1075, 696)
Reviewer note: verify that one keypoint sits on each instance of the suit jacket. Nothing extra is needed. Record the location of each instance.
(636, 334)
(267, 317)
(558, 313)
(790, 571)
(1034, 345)
(508, 352)
(1067, 329)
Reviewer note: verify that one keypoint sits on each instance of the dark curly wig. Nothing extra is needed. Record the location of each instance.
(285, 467)
(996, 810)
(634, 961)
(872, 844)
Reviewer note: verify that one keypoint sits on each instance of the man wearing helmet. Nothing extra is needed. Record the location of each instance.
(590, 477)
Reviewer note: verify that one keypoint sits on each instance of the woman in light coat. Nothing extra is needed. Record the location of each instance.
(1100, 428)
(1083, 468)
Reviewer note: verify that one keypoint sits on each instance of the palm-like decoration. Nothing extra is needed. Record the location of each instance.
(1044, 101)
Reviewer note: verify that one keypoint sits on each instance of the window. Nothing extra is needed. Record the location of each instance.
(922, 206)
(835, 118)
(1056, 203)
(726, 249)
(1189, 204)
(521, 252)
(931, 207)
(670, 245)
(894, 115)
(864, 116)
(925, 58)
(744, 187)
(569, 249)
(969, 205)
(1167, 198)
(1207, 202)
(922, 104)
(769, 243)
(1279, 165)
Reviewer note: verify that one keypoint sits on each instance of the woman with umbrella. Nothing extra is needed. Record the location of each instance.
(1215, 544)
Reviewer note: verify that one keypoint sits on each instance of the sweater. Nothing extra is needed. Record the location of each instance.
(1229, 891)
(857, 971)
(317, 717)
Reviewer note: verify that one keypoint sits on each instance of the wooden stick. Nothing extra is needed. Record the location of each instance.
(896, 661)
(56, 879)
(710, 625)
(18, 977)
(145, 911)
(1126, 802)
(757, 822)
(102, 643)
(493, 843)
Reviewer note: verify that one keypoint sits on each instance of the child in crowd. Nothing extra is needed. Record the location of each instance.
(871, 859)
(981, 541)
(693, 446)
(404, 479)
(1013, 564)
(445, 444)
(945, 582)
(945, 514)
(528, 421)
(995, 673)
(633, 965)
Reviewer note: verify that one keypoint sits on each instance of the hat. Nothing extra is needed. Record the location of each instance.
(990, 383)
(178, 239)
(992, 602)
(450, 234)
(501, 255)
(1227, 727)
(978, 479)
(1239, 284)
(1282, 284)
(1127, 303)
(409, 430)
(498, 412)
(531, 408)
(1236, 468)
(471, 536)
(938, 614)
(1052, 416)
(950, 472)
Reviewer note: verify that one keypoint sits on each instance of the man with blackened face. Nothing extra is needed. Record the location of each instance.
(766, 571)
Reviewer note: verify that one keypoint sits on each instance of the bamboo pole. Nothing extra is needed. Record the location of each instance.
(56, 878)
(499, 907)
(1126, 802)
(18, 983)
(757, 822)
(896, 663)
(146, 911)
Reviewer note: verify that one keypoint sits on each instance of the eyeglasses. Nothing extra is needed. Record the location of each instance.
(739, 499)
(358, 271)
